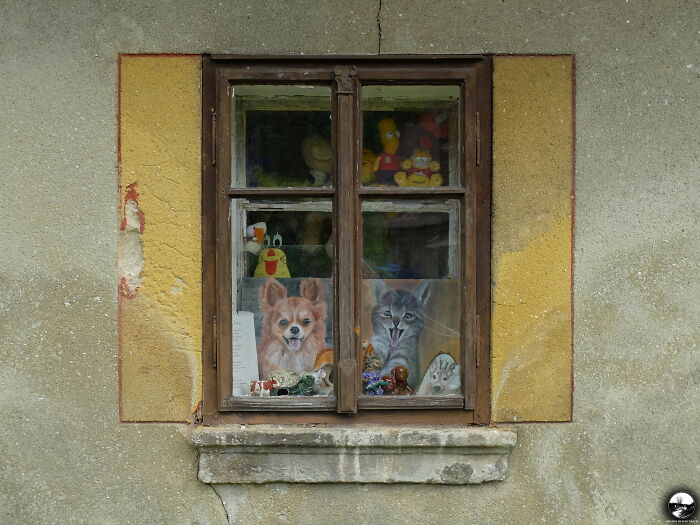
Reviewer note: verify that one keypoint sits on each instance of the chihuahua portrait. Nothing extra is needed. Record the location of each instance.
(294, 328)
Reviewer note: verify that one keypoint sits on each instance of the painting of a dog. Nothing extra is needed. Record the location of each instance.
(294, 328)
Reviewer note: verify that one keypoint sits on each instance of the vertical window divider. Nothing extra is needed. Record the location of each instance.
(346, 311)
(223, 240)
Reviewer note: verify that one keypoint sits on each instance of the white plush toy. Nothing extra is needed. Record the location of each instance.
(256, 233)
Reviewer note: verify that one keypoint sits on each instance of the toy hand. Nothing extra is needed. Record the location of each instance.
(406, 164)
(436, 179)
(400, 178)
(434, 166)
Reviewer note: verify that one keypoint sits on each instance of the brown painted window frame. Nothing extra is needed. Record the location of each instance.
(345, 75)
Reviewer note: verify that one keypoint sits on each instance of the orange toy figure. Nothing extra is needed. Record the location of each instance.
(398, 382)
(387, 163)
(368, 158)
(420, 170)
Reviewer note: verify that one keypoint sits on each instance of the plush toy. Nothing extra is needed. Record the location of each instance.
(368, 158)
(317, 154)
(387, 163)
(272, 261)
(256, 233)
(419, 171)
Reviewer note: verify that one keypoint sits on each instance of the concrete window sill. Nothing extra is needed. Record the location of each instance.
(364, 454)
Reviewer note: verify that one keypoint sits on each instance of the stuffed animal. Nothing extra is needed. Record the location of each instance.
(272, 261)
(368, 158)
(387, 163)
(419, 171)
(256, 233)
(317, 154)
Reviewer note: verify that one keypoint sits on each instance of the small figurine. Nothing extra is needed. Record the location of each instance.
(397, 383)
(317, 154)
(367, 350)
(286, 380)
(262, 388)
(322, 376)
(272, 261)
(256, 233)
(368, 158)
(441, 378)
(387, 163)
(372, 382)
(305, 385)
(419, 171)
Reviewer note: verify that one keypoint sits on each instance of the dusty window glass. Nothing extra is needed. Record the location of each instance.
(281, 136)
(411, 298)
(283, 309)
(410, 135)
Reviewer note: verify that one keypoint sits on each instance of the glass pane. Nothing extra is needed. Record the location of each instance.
(280, 136)
(411, 298)
(410, 136)
(282, 273)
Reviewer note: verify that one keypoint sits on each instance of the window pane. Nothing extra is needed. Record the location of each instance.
(282, 273)
(411, 298)
(410, 136)
(281, 135)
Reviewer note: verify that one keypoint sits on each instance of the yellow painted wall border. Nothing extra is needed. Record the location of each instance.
(532, 235)
(159, 296)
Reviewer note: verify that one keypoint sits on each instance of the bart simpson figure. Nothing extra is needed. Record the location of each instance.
(387, 163)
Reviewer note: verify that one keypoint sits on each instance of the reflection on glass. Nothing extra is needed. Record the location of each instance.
(410, 135)
(411, 299)
(281, 135)
(282, 325)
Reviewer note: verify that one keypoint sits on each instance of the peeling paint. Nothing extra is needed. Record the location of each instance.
(130, 259)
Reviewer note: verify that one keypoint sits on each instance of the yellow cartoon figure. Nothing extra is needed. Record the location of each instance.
(387, 163)
(272, 261)
(419, 171)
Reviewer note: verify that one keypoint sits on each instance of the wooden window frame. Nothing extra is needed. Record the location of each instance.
(345, 74)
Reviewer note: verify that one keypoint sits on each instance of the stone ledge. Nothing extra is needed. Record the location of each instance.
(358, 454)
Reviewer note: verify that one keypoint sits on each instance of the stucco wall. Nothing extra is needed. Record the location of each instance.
(634, 435)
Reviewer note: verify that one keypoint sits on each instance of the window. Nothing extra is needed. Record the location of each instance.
(346, 239)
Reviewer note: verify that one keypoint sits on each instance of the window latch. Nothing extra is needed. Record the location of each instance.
(345, 77)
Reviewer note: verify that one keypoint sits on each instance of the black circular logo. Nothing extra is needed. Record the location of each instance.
(681, 505)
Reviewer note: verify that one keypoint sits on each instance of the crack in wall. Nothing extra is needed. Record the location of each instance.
(228, 520)
(379, 28)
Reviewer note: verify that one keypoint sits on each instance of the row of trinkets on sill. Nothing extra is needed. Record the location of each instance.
(285, 382)
(374, 384)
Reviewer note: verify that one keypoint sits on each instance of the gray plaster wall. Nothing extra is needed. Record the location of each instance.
(64, 456)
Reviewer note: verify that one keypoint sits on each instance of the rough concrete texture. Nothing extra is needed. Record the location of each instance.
(637, 372)
(160, 293)
(363, 454)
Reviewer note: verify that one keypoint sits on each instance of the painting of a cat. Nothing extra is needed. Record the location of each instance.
(398, 318)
